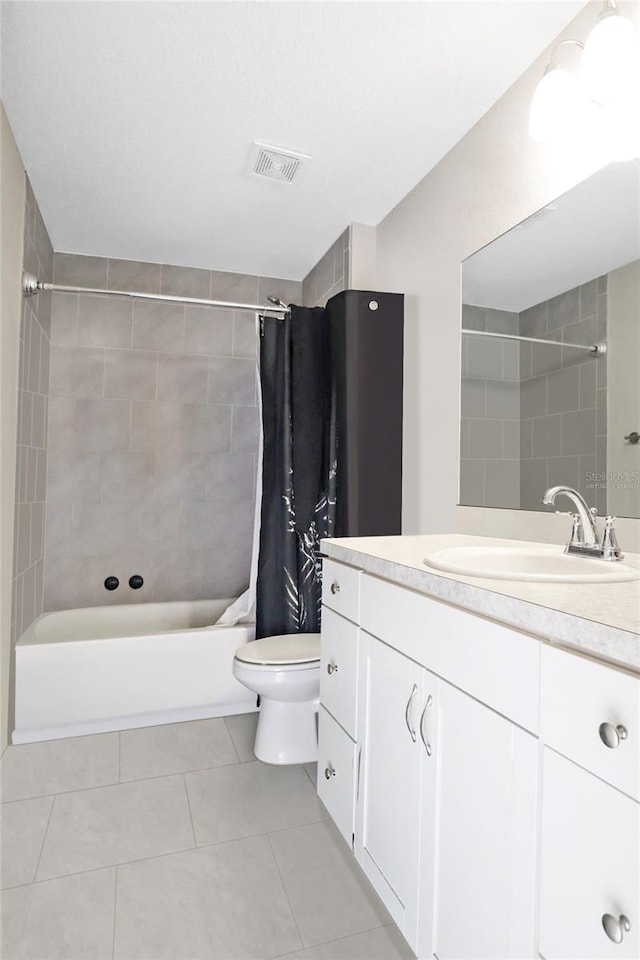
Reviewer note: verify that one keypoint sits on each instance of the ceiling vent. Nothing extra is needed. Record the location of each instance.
(276, 163)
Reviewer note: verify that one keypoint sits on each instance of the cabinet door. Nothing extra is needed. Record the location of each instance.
(387, 835)
(336, 756)
(590, 865)
(486, 788)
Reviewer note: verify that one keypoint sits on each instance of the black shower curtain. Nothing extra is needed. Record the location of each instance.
(299, 470)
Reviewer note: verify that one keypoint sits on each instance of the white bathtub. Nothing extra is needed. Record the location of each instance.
(116, 667)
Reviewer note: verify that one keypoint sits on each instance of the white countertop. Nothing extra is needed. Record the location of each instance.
(601, 619)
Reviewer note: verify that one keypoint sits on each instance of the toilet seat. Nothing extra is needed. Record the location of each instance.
(295, 649)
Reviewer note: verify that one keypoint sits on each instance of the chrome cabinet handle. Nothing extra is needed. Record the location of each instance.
(611, 736)
(335, 587)
(412, 732)
(427, 745)
(615, 927)
(329, 772)
(332, 668)
(358, 773)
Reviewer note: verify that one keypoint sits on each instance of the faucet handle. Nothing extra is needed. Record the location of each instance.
(610, 546)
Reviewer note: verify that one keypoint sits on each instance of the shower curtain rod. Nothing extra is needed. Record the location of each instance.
(31, 285)
(597, 348)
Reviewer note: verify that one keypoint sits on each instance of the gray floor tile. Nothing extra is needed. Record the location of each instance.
(110, 825)
(22, 828)
(243, 733)
(329, 895)
(66, 919)
(217, 902)
(58, 766)
(384, 943)
(249, 799)
(175, 748)
(311, 770)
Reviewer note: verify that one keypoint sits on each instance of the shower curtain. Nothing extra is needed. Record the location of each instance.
(299, 471)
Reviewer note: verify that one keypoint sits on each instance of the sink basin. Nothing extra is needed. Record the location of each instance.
(544, 563)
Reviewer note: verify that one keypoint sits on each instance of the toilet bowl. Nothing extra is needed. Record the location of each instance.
(285, 672)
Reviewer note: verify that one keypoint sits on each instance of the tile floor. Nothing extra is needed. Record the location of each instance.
(174, 842)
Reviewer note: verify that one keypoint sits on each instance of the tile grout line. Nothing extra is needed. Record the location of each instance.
(115, 911)
(169, 853)
(193, 829)
(44, 837)
(233, 743)
(285, 891)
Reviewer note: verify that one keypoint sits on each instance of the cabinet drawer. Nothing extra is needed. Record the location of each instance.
(590, 840)
(578, 697)
(341, 589)
(336, 773)
(339, 669)
(495, 664)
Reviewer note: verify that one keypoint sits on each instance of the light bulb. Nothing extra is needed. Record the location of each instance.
(558, 107)
(611, 59)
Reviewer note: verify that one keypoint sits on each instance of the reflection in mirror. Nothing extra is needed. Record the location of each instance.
(550, 388)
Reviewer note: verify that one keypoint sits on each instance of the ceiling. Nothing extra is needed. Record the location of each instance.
(136, 120)
(561, 246)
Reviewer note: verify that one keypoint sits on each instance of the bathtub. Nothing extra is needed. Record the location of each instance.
(131, 665)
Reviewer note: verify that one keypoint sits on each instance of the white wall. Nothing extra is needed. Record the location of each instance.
(12, 201)
(492, 179)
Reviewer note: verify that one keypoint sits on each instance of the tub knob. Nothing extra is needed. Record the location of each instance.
(111, 583)
(136, 581)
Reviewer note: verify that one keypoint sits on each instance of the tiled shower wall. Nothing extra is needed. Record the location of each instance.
(534, 415)
(490, 411)
(563, 396)
(153, 433)
(31, 463)
(330, 274)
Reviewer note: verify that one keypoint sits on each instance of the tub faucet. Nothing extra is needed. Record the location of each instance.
(584, 534)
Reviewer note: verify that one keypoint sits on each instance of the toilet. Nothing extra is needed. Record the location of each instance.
(285, 672)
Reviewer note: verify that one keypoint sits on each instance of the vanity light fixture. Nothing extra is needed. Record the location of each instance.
(599, 98)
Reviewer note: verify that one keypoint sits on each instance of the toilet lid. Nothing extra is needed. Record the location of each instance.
(287, 648)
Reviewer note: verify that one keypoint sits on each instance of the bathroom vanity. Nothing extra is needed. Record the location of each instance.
(479, 751)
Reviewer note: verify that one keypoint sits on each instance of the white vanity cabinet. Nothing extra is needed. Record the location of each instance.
(490, 786)
(590, 829)
(338, 749)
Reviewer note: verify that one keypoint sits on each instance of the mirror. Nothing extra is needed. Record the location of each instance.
(550, 388)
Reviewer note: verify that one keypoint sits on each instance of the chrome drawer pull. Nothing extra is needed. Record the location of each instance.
(427, 745)
(615, 927)
(329, 772)
(335, 587)
(332, 668)
(611, 736)
(412, 732)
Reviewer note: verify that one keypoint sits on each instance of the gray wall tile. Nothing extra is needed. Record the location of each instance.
(183, 377)
(503, 400)
(485, 439)
(234, 287)
(245, 335)
(563, 309)
(473, 401)
(502, 483)
(76, 372)
(143, 477)
(74, 270)
(578, 432)
(232, 380)
(208, 331)
(186, 282)
(131, 374)
(533, 398)
(472, 482)
(158, 326)
(485, 358)
(564, 390)
(133, 276)
(104, 321)
(473, 318)
(547, 436)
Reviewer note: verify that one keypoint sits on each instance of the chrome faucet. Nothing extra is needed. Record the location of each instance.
(584, 533)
